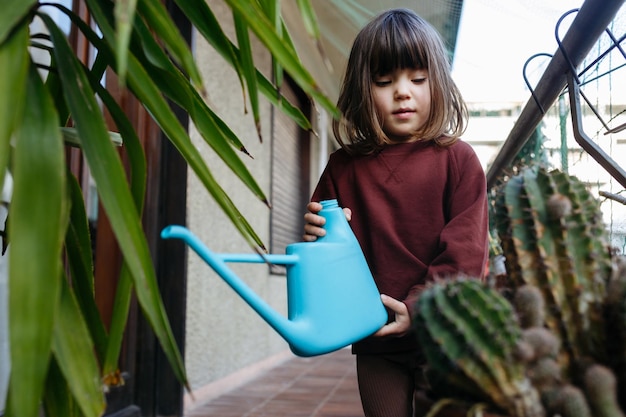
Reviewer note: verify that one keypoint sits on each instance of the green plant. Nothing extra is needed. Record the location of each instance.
(553, 238)
(60, 351)
(570, 402)
(558, 320)
(560, 268)
(616, 322)
(470, 338)
(601, 391)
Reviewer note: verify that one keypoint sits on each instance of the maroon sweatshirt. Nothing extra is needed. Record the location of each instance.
(419, 212)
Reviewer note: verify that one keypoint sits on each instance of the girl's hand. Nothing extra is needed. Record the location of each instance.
(401, 325)
(314, 223)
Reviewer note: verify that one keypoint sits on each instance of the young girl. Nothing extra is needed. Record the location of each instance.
(414, 193)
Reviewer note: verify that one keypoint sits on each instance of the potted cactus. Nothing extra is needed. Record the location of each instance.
(552, 340)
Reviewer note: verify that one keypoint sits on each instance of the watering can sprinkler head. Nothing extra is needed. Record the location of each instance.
(332, 298)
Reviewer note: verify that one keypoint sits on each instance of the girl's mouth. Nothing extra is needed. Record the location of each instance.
(403, 113)
(403, 110)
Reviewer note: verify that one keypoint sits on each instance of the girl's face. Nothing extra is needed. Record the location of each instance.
(402, 101)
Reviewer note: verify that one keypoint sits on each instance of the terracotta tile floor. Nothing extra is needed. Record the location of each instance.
(322, 386)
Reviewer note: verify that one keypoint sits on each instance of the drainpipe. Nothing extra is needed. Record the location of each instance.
(591, 20)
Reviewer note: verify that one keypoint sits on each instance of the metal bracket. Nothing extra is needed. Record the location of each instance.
(590, 23)
(585, 141)
(573, 87)
(530, 88)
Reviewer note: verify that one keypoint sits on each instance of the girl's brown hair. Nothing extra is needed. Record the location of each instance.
(397, 39)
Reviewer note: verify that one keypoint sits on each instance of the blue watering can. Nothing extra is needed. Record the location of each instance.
(331, 295)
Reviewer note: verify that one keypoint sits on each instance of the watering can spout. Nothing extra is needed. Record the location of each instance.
(332, 298)
(218, 261)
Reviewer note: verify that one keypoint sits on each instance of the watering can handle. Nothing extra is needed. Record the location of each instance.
(252, 258)
(181, 232)
(281, 324)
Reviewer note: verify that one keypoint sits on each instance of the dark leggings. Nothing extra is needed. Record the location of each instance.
(387, 383)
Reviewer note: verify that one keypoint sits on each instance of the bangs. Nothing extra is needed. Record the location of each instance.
(397, 45)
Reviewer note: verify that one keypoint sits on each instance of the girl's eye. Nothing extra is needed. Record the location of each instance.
(381, 83)
(419, 80)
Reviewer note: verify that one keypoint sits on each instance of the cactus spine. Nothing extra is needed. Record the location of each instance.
(562, 351)
(616, 322)
(469, 335)
(553, 238)
(570, 402)
(530, 307)
(601, 390)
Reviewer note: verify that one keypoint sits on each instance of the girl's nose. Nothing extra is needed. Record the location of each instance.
(402, 89)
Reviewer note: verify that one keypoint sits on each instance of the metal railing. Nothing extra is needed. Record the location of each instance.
(590, 23)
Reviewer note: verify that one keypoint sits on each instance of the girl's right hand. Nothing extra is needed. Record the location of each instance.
(314, 223)
(402, 322)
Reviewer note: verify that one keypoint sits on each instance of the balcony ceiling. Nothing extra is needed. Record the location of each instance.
(339, 22)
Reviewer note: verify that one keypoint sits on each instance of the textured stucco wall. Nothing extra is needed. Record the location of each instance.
(223, 334)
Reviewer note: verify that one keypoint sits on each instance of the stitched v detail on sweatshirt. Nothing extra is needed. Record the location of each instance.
(392, 162)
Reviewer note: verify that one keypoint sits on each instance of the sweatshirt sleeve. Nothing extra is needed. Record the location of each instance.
(463, 244)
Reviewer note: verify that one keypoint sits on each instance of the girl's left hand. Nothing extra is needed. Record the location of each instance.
(401, 325)
(314, 223)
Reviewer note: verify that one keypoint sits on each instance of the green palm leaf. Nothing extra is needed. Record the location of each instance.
(58, 399)
(206, 24)
(272, 11)
(171, 82)
(37, 222)
(248, 68)
(55, 326)
(164, 28)
(269, 91)
(137, 164)
(262, 27)
(212, 129)
(13, 70)
(124, 16)
(140, 83)
(203, 19)
(160, 110)
(79, 254)
(308, 16)
(310, 23)
(108, 173)
(13, 11)
(72, 348)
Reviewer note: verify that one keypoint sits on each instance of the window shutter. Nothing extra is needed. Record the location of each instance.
(290, 186)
